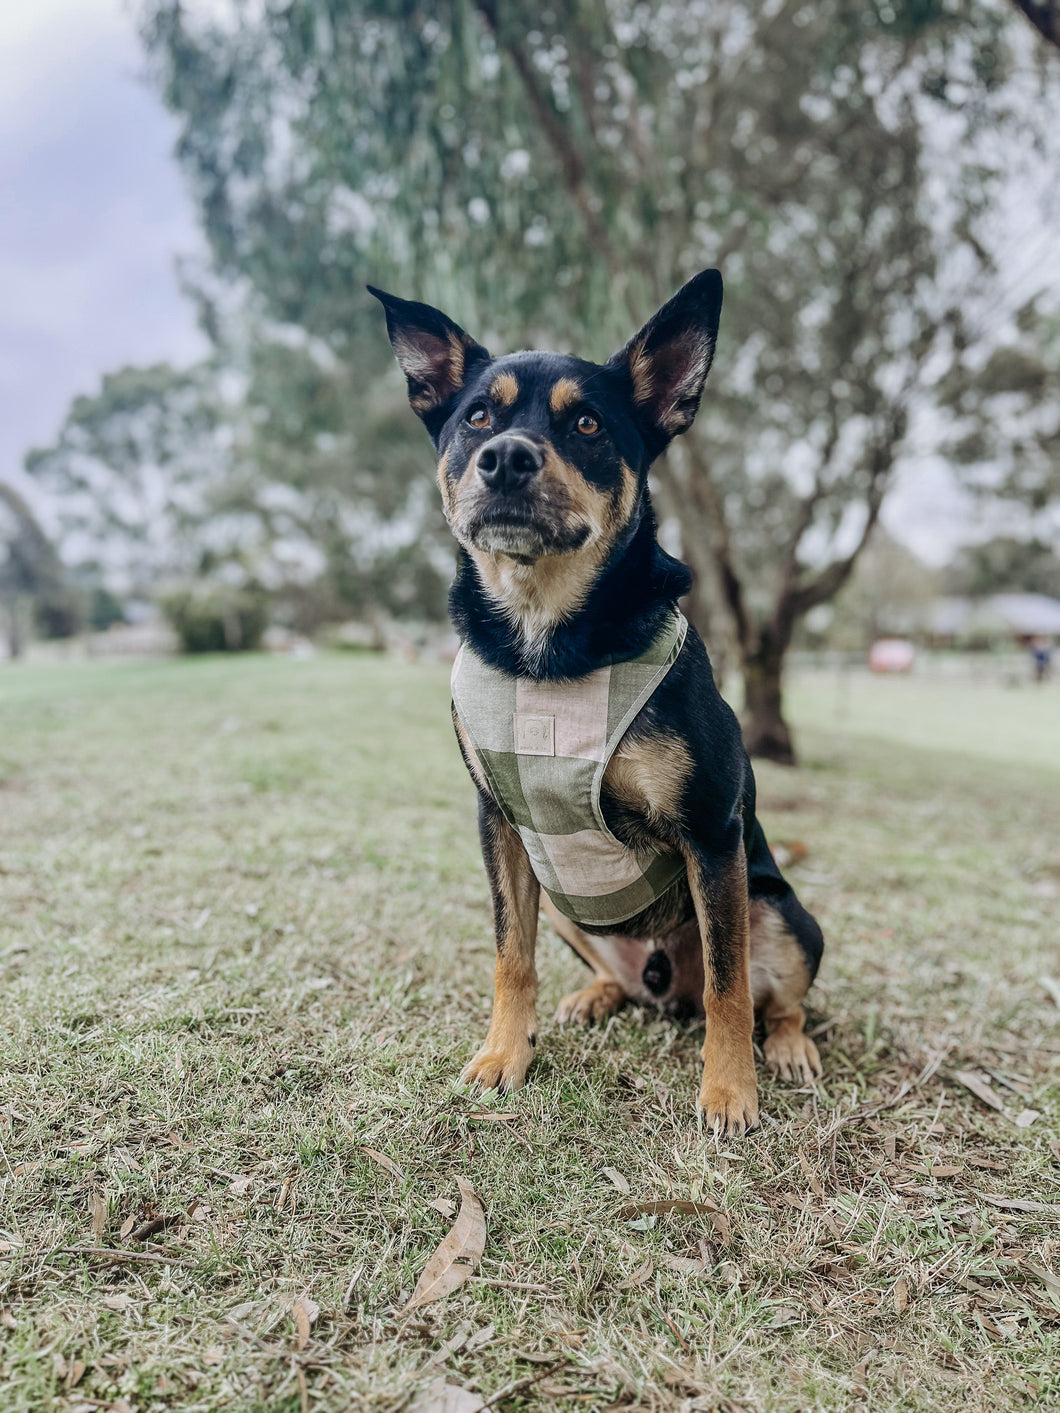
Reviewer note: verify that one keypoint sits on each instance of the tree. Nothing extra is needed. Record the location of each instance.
(537, 172)
(133, 473)
(890, 592)
(30, 573)
(1005, 565)
(1005, 433)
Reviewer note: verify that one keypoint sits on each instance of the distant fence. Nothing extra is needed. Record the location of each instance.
(1009, 667)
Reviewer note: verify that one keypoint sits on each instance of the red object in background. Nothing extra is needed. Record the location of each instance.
(892, 655)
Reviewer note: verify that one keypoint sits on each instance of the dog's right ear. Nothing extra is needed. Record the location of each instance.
(434, 354)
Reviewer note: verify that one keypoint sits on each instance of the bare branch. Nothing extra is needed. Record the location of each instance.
(570, 162)
(700, 486)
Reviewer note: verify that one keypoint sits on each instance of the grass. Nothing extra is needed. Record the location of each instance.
(244, 938)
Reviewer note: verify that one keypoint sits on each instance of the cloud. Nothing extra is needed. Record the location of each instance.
(95, 214)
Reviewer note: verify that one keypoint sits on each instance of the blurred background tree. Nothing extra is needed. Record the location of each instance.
(549, 176)
(33, 582)
(1005, 404)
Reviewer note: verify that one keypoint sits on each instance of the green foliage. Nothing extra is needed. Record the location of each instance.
(549, 176)
(1005, 565)
(32, 578)
(1006, 417)
(104, 610)
(889, 592)
(136, 473)
(216, 618)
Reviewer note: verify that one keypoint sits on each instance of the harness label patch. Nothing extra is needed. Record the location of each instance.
(535, 735)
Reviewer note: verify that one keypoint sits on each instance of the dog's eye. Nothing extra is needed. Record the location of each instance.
(587, 424)
(479, 417)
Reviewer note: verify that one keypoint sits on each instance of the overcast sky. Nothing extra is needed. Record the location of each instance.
(94, 216)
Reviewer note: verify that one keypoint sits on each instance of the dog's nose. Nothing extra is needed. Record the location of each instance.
(507, 462)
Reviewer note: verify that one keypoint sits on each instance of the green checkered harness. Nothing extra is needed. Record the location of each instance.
(543, 748)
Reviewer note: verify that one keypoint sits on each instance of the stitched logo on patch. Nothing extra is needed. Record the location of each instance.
(535, 735)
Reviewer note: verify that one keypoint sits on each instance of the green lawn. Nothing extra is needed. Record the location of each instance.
(244, 935)
(1017, 724)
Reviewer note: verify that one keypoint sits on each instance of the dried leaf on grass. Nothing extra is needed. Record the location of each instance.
(616, 1179)
(901, 1294)
(383, 1161)
(304, 1311)
(458, 1254)
(479, 1338)
(443, 1205)
(784, 1315)
(978, 1162)
(811, 1176)
(640, 1276)
(1018, 1204)
(99, 1212)
(447, 1398)
(1026, 1117)
(979, 1087)
(702, 1208)
(683, 1265)
(71, 1373)
(1051, 1282)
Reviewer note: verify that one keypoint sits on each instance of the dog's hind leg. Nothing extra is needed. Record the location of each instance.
(605, 994)
(780, 979)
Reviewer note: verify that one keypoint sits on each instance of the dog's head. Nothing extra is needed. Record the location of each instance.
(541, 454)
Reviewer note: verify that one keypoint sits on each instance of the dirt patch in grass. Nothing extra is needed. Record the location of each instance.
(245, 946)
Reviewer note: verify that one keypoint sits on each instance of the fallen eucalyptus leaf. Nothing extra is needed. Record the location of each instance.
(458, 1253)
(979, 1088)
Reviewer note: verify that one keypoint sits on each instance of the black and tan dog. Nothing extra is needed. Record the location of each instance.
(543, 470)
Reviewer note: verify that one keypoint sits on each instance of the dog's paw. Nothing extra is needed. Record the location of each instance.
(729, 1111)
(791, 1054)
(494, 1068)
(593, 1003)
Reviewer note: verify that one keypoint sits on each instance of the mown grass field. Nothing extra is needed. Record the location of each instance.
(245, 938)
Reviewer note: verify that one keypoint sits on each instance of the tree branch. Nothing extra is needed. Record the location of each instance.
(570, 162)
(798, 599)
(700, 485)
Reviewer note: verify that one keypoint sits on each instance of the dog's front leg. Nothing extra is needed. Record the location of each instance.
(509, 1047)
(729, 1095)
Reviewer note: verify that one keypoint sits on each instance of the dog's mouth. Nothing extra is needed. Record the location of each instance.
(521, 531)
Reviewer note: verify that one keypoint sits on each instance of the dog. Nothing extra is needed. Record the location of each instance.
(612, 780)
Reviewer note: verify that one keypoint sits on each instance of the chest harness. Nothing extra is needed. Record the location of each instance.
(543, 748)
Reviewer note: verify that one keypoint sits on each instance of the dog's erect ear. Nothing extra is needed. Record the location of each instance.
(434, 354)
(668, 361)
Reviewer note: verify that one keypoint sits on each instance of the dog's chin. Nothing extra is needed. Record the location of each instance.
(524, 541)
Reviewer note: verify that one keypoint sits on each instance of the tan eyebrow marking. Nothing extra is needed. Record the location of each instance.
(504, 389)
(564, 394)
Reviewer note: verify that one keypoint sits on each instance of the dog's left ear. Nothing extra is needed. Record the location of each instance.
(668, 361)
(434, 354)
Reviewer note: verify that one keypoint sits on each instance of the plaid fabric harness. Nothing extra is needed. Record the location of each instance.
(543, 748)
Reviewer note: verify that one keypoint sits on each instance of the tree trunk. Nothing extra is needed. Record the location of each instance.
(14, 628)
(765, 732)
